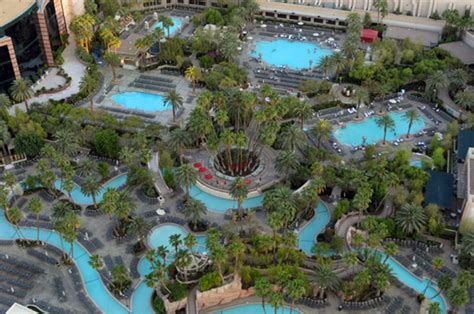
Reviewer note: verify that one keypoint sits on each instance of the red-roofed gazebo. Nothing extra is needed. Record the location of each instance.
(368, 35)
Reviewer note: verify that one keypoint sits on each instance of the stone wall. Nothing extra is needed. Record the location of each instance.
(223, 295)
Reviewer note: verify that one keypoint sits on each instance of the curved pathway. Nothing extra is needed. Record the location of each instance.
(154, 167)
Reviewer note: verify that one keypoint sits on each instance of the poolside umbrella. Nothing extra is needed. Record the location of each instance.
(263, 25)
(208, 176)
(300, 23)
(202, 169)
(315, 34)
(248, 181)
(197, 165)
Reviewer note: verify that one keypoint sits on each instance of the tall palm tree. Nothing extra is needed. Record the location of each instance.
(435, 82)
(193, 73)
(91, 187)
(239, 191)
(437, 264)
(286, 163)
(292, 137)
(410, 218)
(362, 95)
(175, 241)
(326, 278)
(179, 139)
(15, 216)
(295, 290)
(322, 130)
(36, 207)
(83, 27)
(412, 116)
(390, 249)
(240, 139)
(68, 229)
(139, 227)
(434, 308)
(190, 242)
(444, 283)
(339, 61)
(465, 279)
(276, 300)
(263, 289)
(276, 222)
(386, 122)
(88, 85)
(120, 277)
(457, 297)
(158, 34)
(167, 23)
(21, 91)
(465, 99)
(194, 210)
(468, 242)
(175, 100)
(5, 102)
(327, 64)
(66, 141)
(186, 176)
(351, 260)
(96, 261)
(125, 205)
(113, 60)
(237, 250)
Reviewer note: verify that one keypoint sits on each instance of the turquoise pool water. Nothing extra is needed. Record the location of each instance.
(417, 284)
(293, 54)
(141, 101)
(173, 29)
(416, 163)
(219, 204)
(79, 198)
(353, 133)
(307, 235)
(255, 308)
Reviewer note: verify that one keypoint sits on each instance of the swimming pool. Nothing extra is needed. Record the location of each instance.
(294, 54)
(173, 29)
(141, 101)
(219, 204)
(255, 308)
(354, 132)
(309, 232)
(81, 199)
(417, 163)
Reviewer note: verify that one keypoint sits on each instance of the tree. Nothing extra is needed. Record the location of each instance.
(410, 218)
(239, 191)
(120, 278)
(390, 249)
(326, 278)
(194, 210)
(96, 262)
(435, 82)
(438, 158)
(292, 137)
(113, 60)
(193, 74)
(229, 45)
(362, 95)
(350, 259)
(386, 122)
(167, 23)
(82, 26)
(434, 308)
(295, 290)
(91, 187)
(276, 300)
(465, 279)
(457, 297)
(468, 242)
(175, 241)
(303, 111)
(322, 130)
(21, 91)
(237, 250)
(139, 227)
(67, 226)
(175, 100)
(444, 283)
(179, 139)
(15, 216)
(186, 176)
(465, 99)
(363, 198)
(88, 85)
(412, 116)
(382, 9)
(263, 289)
(107, 143)
(287, 163)
(5, 102)
(36, 207)
(66, 141)
(437, 264)
(5, 137)
(29, 143)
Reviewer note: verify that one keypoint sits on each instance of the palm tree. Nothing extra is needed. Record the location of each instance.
(68, 226)
(175, 100)
(322, 130)
(435, 82)
(127, 156)
(5, 138)
(86, 167)
(158, 34)
(465, 99)
(5, 102)
(88, 85)
(275, 221)
(36, 207)
(390, 249)
(444, 283)
(239, 191)
(113, 60)
(15, 216)
(292, 138)
(190, 242)
(120, 278)
(410, 218)
(83, 27)
(96, 262)
(457, 297)
(382, 9)
(468, 242)
(175, 241)
(412, 116)
(125, 205)
(66, 141)
(437, 264)
(350, 259)
(381, 283)
(276, 300)
(237, 250)
(465, 279)
(178, 141)
(295, 290)
(91, 187)
(287, 163)
(263, 289)
(194, 210)
(21, 91)
(326, 64)
(326, 278)
(186, 176)
(10, 181)
(139, 227)
(362, 95)
(167, 22)
(193, 73)
(339, 61)
(386, 122)
(434, 308)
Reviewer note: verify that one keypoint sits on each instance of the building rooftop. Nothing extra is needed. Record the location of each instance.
(439, 189)
(460, 50)
(428, 38)
(11, 9)
(127, 47)
(465, 140)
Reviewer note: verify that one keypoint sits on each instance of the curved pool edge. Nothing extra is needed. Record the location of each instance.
(296, 309)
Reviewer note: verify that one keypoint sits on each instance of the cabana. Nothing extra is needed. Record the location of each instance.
(368, 35)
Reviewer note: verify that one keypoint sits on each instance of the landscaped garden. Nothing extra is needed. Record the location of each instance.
(194, 178)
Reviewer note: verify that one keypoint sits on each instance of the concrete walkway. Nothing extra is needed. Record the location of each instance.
(449, 104)
(191, 307)
(73, 67)
(160, 184)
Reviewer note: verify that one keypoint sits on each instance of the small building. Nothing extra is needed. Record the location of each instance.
(465, 141)
(439, 190)
(19, 309)
(368, 35)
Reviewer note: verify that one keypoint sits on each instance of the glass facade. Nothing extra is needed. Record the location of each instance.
(27, 44)
(53, 27)
(6, 69)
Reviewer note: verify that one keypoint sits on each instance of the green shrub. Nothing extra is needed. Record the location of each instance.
(29, 143)
(169, 178)
(206, 62)
(106, 143)
(249, 275)
(209, 281)
(178, 291)
(104, 170)
(158, 305)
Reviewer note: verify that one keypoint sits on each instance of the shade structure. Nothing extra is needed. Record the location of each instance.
(202, 169)
(368, 35)
(197, 165)
(208, 176)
